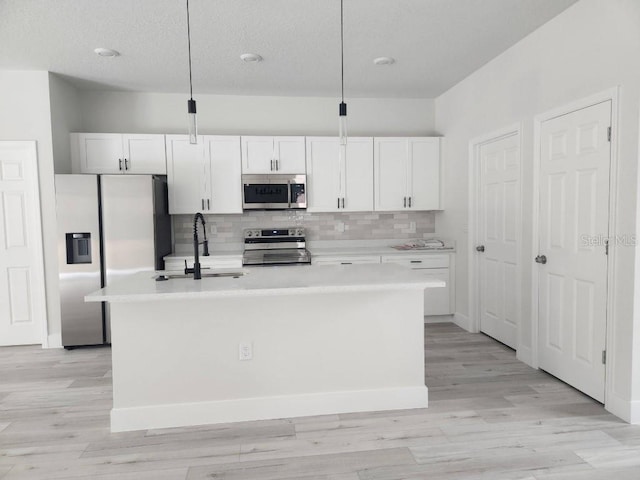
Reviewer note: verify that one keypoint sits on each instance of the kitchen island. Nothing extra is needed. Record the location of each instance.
(273, 342)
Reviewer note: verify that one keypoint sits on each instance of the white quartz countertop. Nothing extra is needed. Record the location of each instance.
(266, 281)
(330, 248)
(374, 250)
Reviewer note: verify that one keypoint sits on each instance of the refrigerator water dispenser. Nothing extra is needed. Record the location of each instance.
(78, 248)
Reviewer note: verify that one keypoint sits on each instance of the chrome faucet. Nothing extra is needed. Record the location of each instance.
(196, 270)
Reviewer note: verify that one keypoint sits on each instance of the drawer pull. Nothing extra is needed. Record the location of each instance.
(346, 263)
(416, 261)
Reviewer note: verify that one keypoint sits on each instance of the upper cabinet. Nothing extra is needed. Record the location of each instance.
(335, 184)
(222, 154)
(273, 155)
(407, 173)
(114, 153)
(205, 177)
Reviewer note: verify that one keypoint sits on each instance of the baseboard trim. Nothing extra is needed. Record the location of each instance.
(627, 410)
(264, 408)
(438, 319)
(54, 341)
(462, 321)
(525, 355)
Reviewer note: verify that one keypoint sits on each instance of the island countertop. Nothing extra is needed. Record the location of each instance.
(266, 281)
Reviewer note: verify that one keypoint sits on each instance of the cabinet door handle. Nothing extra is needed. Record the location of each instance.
(271, 168)
(338, 202)
(120, 164)
(208, 204)
(202, 201)
(277, 165)
(405, 202)
(416, 261)
(126, 164)
(409, 202)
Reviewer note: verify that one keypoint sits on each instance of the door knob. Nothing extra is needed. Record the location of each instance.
(541, 259)
(480, 248)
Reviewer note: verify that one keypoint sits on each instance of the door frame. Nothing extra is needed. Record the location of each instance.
(474, 219)
(611, 95)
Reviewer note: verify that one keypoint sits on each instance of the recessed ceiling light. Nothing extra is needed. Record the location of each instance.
(384, 61)
(106, 52)
(250, 57)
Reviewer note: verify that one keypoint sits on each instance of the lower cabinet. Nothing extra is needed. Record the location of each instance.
(345, 260)
(437, 301)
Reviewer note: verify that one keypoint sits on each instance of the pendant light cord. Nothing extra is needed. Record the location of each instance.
(189, 46)
(341, 46)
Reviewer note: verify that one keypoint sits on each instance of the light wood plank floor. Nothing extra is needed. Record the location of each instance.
(490, 417)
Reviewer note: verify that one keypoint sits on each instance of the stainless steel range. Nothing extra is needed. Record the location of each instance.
(275, 246)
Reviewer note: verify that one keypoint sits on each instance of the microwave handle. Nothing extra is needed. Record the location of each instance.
(289, 192)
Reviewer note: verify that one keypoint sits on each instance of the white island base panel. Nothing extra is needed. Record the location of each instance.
(176, 360)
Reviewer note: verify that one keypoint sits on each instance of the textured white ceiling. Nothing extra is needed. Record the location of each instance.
(436, 43)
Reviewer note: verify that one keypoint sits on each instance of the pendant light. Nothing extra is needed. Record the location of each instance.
(342, 119)
(191, 103)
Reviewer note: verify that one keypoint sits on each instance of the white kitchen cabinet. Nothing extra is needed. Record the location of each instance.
(115, 153)
(187, 175)
(406, 173)
(437, 301)
(284, 155)
(205, 177)
(222, 154)
(344, 259)
(335, 185)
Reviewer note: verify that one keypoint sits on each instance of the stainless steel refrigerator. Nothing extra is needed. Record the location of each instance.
(109, 226)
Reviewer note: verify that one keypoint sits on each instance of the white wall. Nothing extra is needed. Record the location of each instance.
(25, 115)
(591, 47)
(114, 112)
(65, 118)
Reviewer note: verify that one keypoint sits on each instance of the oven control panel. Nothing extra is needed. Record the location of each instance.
(266, 233)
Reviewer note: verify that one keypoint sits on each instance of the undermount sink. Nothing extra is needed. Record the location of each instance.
(169, 276)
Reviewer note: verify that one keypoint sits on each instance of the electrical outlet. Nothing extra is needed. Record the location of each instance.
(245, 351)
(340, 227)
(412, 227)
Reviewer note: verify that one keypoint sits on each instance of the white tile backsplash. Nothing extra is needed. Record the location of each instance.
(227, 229)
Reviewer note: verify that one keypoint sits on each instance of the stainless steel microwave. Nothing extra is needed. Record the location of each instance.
(274, 192)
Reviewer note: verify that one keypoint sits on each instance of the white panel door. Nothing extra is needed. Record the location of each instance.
(22, 297)
(323, 174)
(225, 166)
(574, 210)
(499, 235)
(144, 154)
(424, 174)
(187, 175)
(100, 153)
(357, 175)
(258, 155)
(289, 154)
(390, 174)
